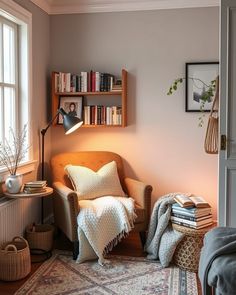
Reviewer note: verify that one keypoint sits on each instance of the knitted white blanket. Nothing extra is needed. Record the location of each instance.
(102, 223)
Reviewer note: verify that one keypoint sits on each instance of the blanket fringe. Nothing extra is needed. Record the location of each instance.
(115, 241)
(125, 232)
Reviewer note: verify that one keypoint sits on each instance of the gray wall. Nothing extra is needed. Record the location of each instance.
(162, 144)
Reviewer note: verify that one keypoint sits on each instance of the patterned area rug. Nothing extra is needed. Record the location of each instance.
(123, 276)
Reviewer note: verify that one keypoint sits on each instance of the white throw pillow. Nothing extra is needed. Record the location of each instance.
(90, 184)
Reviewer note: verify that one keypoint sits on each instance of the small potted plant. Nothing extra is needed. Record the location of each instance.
(12, 152)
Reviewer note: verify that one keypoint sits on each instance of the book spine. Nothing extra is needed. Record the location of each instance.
(99, 119)
(192, 218)
(195, 223)
(77, 83)
(107, 82)
(89, 78)
(84, 81)
(102, 82)
(81, 82)
(192, 226)
(60, 82)
(73, 83)
(67, 82)
(89, 115)
(57, 84)
(103, 115)
(114, 109)
(86, 115)
(92, 115)
(111, 82)
(96, 115)
(108, 115)
(93, 82)
(120, 115)
(97, 81)
(191, 211)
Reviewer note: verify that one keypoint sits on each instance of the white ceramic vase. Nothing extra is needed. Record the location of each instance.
(13, 183)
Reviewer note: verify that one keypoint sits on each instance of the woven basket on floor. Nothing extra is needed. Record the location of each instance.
(15, 261)
(40, 236)
(187, 253)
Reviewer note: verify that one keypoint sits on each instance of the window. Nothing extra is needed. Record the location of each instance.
(15, 70)
(8, 78)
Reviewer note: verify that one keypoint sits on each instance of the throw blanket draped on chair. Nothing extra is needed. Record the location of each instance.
(102, 223)
(217, 266)
(162, 238)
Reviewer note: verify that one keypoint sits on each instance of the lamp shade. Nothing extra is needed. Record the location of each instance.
(70, 123)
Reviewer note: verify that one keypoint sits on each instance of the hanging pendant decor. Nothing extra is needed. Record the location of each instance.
(211, 144)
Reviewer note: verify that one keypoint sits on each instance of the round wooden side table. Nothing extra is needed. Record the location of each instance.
(23, 195)
(187, 253)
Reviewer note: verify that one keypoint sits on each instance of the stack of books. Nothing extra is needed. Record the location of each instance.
(34, 187)
(193, 212)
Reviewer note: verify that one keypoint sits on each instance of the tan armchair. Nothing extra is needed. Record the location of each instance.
(65, 202)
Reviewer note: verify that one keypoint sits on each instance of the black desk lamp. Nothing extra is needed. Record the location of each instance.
(70, 124)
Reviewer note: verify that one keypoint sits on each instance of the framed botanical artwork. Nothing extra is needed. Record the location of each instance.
(72, 105)
(198, 77)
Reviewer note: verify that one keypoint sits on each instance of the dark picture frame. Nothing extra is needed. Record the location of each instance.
(73, 105)
(206, 71)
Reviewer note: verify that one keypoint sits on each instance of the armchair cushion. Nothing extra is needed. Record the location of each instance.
(91, 185)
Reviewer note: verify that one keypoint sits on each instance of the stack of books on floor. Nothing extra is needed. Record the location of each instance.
(34, 187)
(193, 212)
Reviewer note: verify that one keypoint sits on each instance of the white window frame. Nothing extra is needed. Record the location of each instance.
(23, 18)
(14, 85)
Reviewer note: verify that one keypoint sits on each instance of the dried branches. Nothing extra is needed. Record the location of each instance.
(13, 150)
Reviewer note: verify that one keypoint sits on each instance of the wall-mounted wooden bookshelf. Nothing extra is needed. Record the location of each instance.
(120, 95)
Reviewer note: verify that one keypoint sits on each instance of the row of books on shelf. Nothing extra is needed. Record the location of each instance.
(196, 216)
(102, 115)
(87, 82)
(34, 187)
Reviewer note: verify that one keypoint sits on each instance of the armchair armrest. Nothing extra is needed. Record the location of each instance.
(66, 210)
(141, 193)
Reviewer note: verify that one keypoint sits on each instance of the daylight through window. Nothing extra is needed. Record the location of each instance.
(8, 78)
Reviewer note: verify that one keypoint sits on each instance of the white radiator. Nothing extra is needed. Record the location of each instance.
(15, 215)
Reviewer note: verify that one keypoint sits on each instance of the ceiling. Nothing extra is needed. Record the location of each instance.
(91, 6)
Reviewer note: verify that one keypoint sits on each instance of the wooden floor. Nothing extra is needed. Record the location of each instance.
(130, 246)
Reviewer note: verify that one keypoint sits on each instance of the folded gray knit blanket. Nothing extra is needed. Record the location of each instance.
(162, 239)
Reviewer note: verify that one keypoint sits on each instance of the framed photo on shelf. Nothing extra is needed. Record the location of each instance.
(198, 75)
(73, 105)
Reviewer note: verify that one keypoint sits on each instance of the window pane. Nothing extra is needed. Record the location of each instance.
(8, 54)
(1, 48)
(1, 112)
(9, 110)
